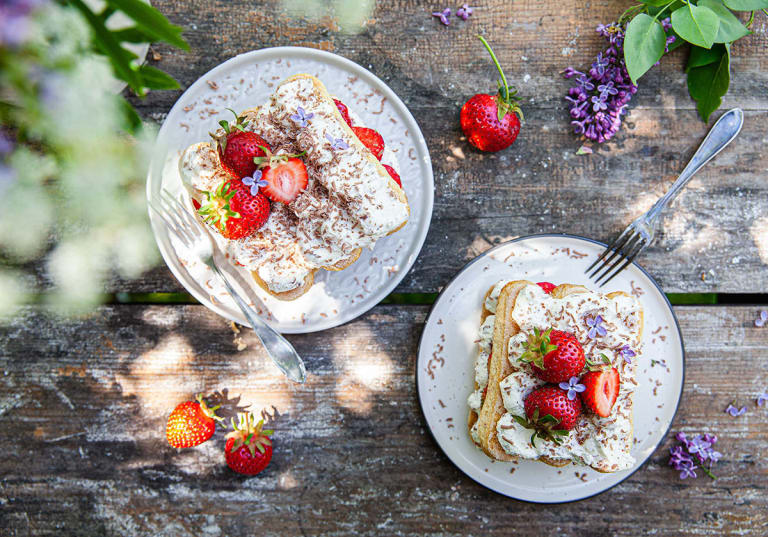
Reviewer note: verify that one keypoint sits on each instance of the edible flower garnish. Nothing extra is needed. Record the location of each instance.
(762, 399)
(596, 327)
(301, 117)
(733, 411)
(443, 15)
(572, 387)
(627, 353)
(464, 12)
(255, 182)
(762, 318)
(694, 452)
(337, 144)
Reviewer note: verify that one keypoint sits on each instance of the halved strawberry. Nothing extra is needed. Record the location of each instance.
(392, 173)
(602, 390)
(285, 180)
(547, 286)
(371, 139)
(344, 111)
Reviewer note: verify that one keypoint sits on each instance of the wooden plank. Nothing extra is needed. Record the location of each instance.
(83, 406)
(715, 239)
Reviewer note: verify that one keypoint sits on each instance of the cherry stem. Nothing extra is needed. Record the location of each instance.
(498, 66)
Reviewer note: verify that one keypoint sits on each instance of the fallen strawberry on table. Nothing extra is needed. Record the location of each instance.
(191, 423)
(492, 122)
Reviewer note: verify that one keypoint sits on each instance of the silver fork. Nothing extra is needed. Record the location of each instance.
(193, 235)
(639, 234)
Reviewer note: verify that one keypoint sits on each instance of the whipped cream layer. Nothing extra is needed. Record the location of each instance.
(344, 207)
(600, 442)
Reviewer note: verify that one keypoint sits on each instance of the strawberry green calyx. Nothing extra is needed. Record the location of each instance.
(270, 159)
(543, 427)
(208, 411)
(604, 363)
(537, 347)
(506, 100)
(239, 124)
(216, 210)
(250, 434)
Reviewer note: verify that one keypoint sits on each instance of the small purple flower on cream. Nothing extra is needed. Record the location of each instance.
(572, 387)
(627, 353)
(301, 117)
(255, 182)
(336, 144)
(596, 327)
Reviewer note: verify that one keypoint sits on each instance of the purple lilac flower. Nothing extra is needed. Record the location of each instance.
(14, 20)
(255, 182)
(762, 318)
(600, 97)
(6, 144)
(301, 117)
(464, 12)
(336, 144)
(762, 399)
(443, 15)
(572, 387)
(734, 412)
(627, 353)
(596, 327)
(693, 452)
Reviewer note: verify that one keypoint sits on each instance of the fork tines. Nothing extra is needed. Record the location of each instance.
(622, 252)
(177, 218)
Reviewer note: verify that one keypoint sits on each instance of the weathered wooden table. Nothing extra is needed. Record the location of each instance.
(83, 403)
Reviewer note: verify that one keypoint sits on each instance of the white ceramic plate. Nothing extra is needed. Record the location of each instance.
(245, 81)
(445, 373)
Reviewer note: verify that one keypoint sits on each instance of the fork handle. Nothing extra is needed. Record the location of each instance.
(720, 135)
(279, 349)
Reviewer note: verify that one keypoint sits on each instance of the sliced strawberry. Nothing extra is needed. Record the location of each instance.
(602, 390)
(371, 139)
(547, 286)
(285, 180)
(196, 204)
(393, 174)
(344, 111)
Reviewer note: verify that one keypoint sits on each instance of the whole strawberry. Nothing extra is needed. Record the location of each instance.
(234, 211)
(550, 413)
(555, 356)
(248, 449)
(191, 423)
(491, 122)
(238, 147)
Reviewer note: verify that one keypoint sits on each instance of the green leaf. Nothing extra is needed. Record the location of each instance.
(132, 120)
(154, 78)
(151, 21)
(132, 35)
(656, 3)
(522, 421)
(702, 56)
(708, 83)
(643, 45)
(747, 5)
(106, 42)
(696, 24)
(731, 28)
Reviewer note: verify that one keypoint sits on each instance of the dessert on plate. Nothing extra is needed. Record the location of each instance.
(555, 375)
(295, 185)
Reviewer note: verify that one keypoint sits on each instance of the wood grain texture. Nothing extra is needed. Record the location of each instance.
(83, 406)
(715, 238)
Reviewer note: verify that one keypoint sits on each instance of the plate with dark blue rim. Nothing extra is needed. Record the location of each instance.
(448, 348)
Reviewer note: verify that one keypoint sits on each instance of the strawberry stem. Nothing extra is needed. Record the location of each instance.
(498, 66)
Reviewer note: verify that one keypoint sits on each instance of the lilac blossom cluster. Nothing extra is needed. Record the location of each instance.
(600, 96)
(690, 453)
